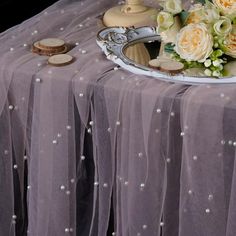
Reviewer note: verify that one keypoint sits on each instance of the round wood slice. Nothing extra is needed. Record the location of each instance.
(51, 43)
(156, 63)
(173, 67)
(60, 60)
(49, 52)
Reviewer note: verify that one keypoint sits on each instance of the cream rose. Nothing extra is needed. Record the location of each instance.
(230, 44)
(227, 7)
(194, 42)
(173, 6)
(164, 21)
(223, 26)
(211, 13)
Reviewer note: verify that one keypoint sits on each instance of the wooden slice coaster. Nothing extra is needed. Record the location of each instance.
(173, 67)
(60, 60)
(166, 65)
(156, 63)
(51, 43)
(50, 46)
(48, 52)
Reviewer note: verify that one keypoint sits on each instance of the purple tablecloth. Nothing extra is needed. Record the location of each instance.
(78, 140)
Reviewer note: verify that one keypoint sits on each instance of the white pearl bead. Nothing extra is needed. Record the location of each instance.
(11, 107)
(28, 187)
(13, 222)
(96, 183)
(208, 210)
(54, 142)
(162, 224)
(38, 80)
(126, 183)
(11, 49)
(109, 130)
(158, 110)
(59, 135)
(168, 160)
(138, 234)
(80, 25)
(67, 192)
(172, 114)
(61, 28)
(82, 157)
(81, 95)
(14, 217)
(195, 158)
(105, 185)
(72, 181)
(36, 31)
(15, 166)
(67, 230)
(25, 157)
(230, 142)
(25, 45)
(234, 144)
(210, 197)
(83, 51)
(140, 154)
(190, 192)
(116, 68)
(62, 187)
(222, 95)
(144, 226)
(6, 152)
(117, 123)
(68, 127)
(142, 185)
(222, 142)
(182, 134)
(89, 131)
(91, 123)
(113, 234)
(77, 44)
(71, 230)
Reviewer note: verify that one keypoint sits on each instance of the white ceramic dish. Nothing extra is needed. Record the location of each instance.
(113, 41)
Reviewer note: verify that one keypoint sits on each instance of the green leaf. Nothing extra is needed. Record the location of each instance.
(169, 48)
(183, 16)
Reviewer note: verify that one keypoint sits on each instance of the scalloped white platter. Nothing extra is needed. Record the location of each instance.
(113, 42)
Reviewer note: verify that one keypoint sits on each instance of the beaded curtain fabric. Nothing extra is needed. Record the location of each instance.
(76, 140)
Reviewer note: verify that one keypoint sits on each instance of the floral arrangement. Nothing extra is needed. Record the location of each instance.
(204, 36)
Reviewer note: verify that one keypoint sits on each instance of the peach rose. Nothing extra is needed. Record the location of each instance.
(196, 14)
(194, 42)
(227, 7)
(230, 44)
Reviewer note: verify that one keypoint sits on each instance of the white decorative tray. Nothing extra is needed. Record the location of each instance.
(114, 41)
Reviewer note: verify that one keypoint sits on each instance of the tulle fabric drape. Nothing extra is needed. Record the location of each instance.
(76, 141)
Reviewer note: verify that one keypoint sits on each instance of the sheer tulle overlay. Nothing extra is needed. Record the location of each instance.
(80, 140)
